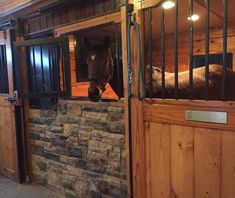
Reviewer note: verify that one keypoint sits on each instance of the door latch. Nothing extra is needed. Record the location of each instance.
(13, 99)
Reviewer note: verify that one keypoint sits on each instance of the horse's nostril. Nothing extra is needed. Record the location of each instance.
(95, 95)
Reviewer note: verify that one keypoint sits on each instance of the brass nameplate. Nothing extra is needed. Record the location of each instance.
(206, 116)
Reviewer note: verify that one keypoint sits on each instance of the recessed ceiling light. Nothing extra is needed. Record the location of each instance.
(194, 17)
(168, 5)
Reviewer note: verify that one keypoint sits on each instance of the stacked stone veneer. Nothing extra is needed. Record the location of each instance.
(78, 150)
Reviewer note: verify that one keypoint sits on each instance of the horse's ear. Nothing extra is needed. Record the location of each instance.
(106, 42)
(87, 43)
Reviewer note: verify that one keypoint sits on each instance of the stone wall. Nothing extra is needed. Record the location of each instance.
(78, 150)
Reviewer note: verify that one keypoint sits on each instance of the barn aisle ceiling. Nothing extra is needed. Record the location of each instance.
(8, 7)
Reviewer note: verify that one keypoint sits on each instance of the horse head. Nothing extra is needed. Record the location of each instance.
(100, 68)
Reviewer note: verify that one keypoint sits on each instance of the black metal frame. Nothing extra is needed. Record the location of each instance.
(61, 42)
(4, 87)
(191, 41)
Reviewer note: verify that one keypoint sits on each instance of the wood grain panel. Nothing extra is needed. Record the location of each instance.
(182, 163)
(228, 164)
(109, 18)
(172, 114)
(158, 163)
(207, 162)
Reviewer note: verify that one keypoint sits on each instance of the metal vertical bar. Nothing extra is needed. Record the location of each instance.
(150, 52)
(1, 70)
(225, 26)
(163, 50)
(18, 82)
(4, 70)
(50, 68)
(34, 69)
(56, 67)
(42, 69)
(207, 47)
(66, 65)
(117, 61)
(176, 49)
(63, 66)
(191, 48)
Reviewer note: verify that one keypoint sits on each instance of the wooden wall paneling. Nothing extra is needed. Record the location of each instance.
(90, 9)
(117, 3)
(99, 6)
(56, 18)
(50, 22)
(43, 22)
(175, 114)
(64, 16)
(199, 48)
(80, 12)
(182, 162)
(113, 17)
(109, 5)
(72, 14)
(148, 159)
(159, 167)
(228, 164)
(207, 163)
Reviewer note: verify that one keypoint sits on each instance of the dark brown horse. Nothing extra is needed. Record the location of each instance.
(214, 86)
(102, 69)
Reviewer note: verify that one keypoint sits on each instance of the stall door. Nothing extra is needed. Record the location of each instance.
(8, 142)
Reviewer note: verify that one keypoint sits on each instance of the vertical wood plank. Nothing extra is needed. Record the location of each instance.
(125, 85)
(148, 159)
(207, 162)
(228, 164)
(160, 160)
(182, 161)
(99, 6)
(108, 5)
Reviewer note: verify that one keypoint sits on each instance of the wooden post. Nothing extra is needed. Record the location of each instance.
(138, 138)
(125, 84)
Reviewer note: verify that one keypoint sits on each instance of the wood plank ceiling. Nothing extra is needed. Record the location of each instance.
(8, 7)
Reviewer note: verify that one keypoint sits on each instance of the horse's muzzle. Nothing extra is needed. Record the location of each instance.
(95, 95)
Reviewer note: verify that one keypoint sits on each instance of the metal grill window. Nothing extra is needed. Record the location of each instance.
(164, 31)
(43, 73)
(4, 89)
(42, 70)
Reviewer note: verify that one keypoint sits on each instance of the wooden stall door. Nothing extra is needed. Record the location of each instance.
(8, 142)
(177, 158)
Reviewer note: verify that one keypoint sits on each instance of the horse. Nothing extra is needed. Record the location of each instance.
(102, 69)
(214, 83)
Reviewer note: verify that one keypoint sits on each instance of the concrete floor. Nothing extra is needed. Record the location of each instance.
(10, 189)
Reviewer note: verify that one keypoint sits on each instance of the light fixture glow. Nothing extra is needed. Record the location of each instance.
(168, 5)
(194, 17)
